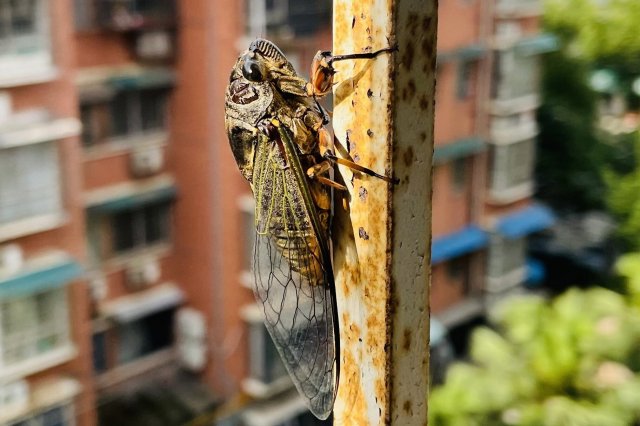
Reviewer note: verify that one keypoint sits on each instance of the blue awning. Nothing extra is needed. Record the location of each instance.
(458, 149)
(457, 244)
(526, 221)
(541, 43)
(535, 272)
(41, 276)
(132, 201)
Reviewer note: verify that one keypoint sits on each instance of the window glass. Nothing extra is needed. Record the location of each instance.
(29, 182)
(33, 325)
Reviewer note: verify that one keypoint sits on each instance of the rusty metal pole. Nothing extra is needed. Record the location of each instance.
(383, 113)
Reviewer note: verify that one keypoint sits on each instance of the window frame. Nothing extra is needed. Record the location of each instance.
(60, 320)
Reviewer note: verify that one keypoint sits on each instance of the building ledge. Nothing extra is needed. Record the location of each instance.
(139, 367)
(515, 105)
(514, 134)
(32, 225)
(28, 76)
(122, 145)
(277, 412)
(38, 363)
(38, 132)
(134, 306)
(523, 9)
(506, 281)
(42, 394)
(469, 308)
(512, 194)
(257, 389)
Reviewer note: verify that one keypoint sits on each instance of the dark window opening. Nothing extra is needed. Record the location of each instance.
(140, 227)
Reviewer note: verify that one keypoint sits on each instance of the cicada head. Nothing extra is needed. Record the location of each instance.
(321, 74)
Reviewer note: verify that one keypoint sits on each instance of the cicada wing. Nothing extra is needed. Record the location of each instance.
(294, 288)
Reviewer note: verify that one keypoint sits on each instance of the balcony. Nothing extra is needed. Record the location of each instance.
(134, 15)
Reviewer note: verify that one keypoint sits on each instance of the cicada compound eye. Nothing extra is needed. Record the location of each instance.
(253, 70)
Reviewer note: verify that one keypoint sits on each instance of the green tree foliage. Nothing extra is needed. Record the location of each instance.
(574, 360)
(623, 200)
(573, 154)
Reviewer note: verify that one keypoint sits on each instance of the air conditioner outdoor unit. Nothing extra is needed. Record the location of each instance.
(154, 45)
(191, 338)
(147, 161)
(14, 397)
(11, 258)
(142, 273)
(98, 287)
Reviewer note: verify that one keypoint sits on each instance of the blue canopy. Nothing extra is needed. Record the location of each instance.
(458, 243)
(535, 272)
(526, 221)
(43, 277)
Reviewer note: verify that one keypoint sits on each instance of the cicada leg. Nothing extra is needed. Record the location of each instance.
(327, 145)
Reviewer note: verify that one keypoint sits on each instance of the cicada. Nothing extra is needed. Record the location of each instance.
(275, 126)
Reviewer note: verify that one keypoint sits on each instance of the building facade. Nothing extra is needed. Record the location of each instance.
(126, 229)
(487, 96)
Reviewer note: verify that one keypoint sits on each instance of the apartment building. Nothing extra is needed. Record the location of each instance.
(487, 96)
(45, 355)
(126, 229)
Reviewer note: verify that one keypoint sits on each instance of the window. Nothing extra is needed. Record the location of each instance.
(24, 38)
(140, 227)
(286, 17)
(131, 341)
(515, 75)
(128, 113)
(512, 165)
(145, 336)
(19, 25)
(506, 255)
(33, 325)
(29, 182)
(464, 85)
(125, 15)
(61, 415)
(459, 174)
(265, 364)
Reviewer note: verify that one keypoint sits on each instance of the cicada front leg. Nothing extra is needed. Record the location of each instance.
(322, 70)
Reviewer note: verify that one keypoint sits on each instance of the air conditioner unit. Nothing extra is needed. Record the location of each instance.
(154, 45)
(11, 258)
(98, 288)
(14, 397)
(142, 273)
(147, 161)
(191, 339)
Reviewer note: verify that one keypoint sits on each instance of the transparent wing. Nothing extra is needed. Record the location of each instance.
(294, 287)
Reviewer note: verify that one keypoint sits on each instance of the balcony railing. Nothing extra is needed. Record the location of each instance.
(131, 15)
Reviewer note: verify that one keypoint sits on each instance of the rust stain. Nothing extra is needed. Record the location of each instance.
(408, 156)
(407, 407)
(362, 233)
(362, 193)
(406, 339)
(408, 55)
(351, 392)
